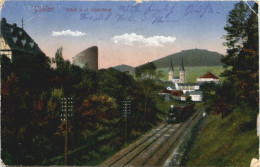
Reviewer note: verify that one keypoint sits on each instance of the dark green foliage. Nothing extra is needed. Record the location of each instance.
(5, 67)
(241, 84)
(188, 97)
(113, 83)
(236, 28)
(32, 132)
(146, 71)
(231, 137)
(209, 91)
(223, 99)
(33, 71)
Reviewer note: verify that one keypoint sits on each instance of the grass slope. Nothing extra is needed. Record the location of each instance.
(192, 73)
(230, 141)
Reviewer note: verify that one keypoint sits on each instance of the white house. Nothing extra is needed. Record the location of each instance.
(187, 87)
(183, 98)
(196, 95)
(207, 78)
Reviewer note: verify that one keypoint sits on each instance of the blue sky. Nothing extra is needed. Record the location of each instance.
(125, 32)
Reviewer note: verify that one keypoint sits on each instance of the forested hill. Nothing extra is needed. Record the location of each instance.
(124, 68)
(193, 57)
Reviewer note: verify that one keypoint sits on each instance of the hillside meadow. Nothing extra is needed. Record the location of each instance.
(229, 141)
(192, 73)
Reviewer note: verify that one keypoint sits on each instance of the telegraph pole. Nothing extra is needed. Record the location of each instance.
(125, 129)
(125, 113)
(66, 136)
(66, 108)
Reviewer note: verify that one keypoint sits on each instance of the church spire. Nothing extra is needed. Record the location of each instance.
(171, 66)
(171, 71)
(182, 66)
(182, 72)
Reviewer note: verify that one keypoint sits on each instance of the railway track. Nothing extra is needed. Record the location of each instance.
(155, 147)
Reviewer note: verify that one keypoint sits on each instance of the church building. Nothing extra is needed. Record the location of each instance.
(177, 79)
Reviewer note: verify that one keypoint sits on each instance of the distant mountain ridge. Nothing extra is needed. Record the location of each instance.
(191, 58)
(124, 68)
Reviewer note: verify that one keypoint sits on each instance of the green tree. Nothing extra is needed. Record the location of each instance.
(223, 103)
(159, 75)
(147, 76)
(6, 67)
(242, 53)
(54, 103)
(209, 91)
(113, 83)
(96, 112)
(146, 71)
(188, 97)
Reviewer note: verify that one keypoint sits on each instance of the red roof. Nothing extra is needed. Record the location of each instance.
(176, 92)
(166, 91)
(209, 75)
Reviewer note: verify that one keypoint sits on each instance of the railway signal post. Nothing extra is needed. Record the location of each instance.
(125, 113)
(66, 112)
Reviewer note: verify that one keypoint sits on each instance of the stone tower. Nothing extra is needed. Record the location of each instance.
(88, 58)
(182, 72)
(171, 72)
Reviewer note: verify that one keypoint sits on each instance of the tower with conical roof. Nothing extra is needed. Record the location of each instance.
(171, 71)
(182, 72)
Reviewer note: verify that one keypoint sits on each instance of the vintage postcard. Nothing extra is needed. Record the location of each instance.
(129, 83)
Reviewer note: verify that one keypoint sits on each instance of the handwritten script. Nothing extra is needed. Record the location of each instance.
(151, 13)
(201, 11)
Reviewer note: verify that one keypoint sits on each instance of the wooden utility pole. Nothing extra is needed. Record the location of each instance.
(66, 136)
(67, 106)
(125, 113)
(125, 129)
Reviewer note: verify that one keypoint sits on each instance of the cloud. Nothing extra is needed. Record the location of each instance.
(68, 33)
(141, 41)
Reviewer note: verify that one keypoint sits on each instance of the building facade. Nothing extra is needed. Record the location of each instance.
(177, 79)
(196, 95)
(15, 41)
(187, 87)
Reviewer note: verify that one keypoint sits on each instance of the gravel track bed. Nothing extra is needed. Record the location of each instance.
(134, 153)
(173, 142)
(130, 148)
(149, 151)
(154, 148)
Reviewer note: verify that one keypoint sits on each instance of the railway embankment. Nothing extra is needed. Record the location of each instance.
(228, 141)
